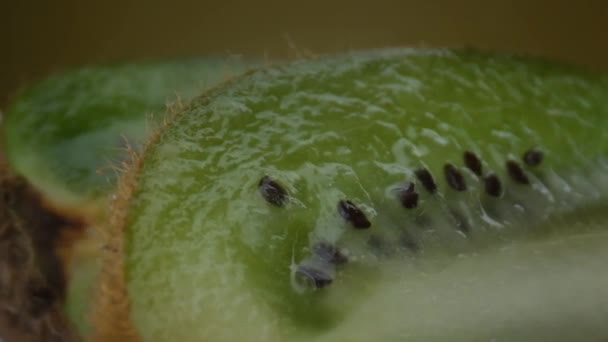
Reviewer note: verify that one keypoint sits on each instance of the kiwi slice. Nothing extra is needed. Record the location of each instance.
(402, 194)
(65, 133)
(68, 135)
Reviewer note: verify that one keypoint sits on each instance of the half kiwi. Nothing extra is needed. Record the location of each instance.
(402, 194)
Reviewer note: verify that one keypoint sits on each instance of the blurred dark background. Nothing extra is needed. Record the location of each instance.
(38, 37)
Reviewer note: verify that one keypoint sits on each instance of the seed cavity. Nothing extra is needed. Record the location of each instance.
(329, 253)
(492, 185)
(313, 277)
(425, 177)
(273, 192)
(454, 177)
(472, 162)
(408, 196)
(533, 157)
(350, 212)
(517, 173)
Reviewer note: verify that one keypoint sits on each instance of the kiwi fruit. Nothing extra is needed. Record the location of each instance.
(65, 133)
(397, 195)
(66, 138)
(394, 194)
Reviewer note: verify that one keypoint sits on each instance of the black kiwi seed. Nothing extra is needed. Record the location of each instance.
(516, 172)
(472, 162)
(329, 253)
(454, 177)
(319, 278)
(408, 196)
(272, 192)
(425, 177)
(492, 185)
(350, 212)
(533, 157)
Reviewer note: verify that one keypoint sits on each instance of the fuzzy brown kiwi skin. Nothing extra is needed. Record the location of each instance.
(35, 245)
(110, 317)
(111, 312)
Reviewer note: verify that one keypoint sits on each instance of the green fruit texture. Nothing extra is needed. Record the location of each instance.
(401, 194)
(67, 132)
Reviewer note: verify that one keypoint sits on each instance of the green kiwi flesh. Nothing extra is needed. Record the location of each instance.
(64, 133)
(239, 226)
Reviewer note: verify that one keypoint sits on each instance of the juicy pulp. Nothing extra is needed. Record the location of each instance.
(207, 258)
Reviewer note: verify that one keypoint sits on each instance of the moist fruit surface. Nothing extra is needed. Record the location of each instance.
(390, 194)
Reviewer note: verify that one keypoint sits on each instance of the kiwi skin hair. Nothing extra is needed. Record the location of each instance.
(67, 137)
(550, 255)
(67, 132)
(216, 229)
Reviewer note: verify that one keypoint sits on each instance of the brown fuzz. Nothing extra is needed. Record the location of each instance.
(329, 253)
(533, 157)
(492, 185)
(454, 177)
(111, 314)
(42, 299)
(351, 213)
(272, 192)
(111, 309)
(425, 177)
(32, 271)
(408, 196)
(516, 173)
(472, 162)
